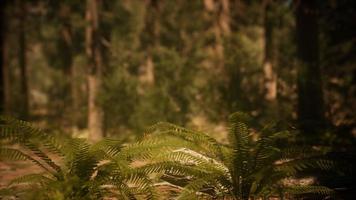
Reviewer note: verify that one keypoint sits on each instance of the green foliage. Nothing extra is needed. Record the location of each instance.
(71, 168)
(251, 165)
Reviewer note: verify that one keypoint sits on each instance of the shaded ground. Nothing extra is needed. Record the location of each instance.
(11, 170)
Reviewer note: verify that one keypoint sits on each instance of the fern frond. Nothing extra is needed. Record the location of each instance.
(298, 190)
(209, 144)
(142, 184)
(173, 167)
(41, 155)
(17, 155)
(194, 188)
(81, 162)
(239, 140)
(189, 192)
(190, 158)
(20, 131)
(291, 167)
(31, 179)
(108, 147)
(6, 192)
(143, 149)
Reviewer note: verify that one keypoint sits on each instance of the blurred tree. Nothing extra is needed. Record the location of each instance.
(269, 61)
(179, 61)
(66, 48)
(2, 56)
(22, 56)
(338, 50)
(95, 65)
(244, 53)
(310, 94)
(152, 29)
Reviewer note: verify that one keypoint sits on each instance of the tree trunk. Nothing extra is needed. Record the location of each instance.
(220, 12)
(94, 54)
(153, 9)
(66, 41)
(2, 56)
(23, 60)
(269, 64)
(310, 95)
(270, 75)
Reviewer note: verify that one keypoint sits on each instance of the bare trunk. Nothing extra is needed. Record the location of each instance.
(269, 62)
(23, 60)
(153, 28)
(95, 115)
(224, 19)
(270, 75)
(310, 95)
(74, 99)
(69, 70)
(2, 57)
(94, 54)
(220, 10)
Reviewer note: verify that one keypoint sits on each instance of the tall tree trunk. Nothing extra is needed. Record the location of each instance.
(220, 10)
(269, 68)
(2, 56)
(153, 9)
(310, 95)
(66, 40)
(23, 59)
(94, 54)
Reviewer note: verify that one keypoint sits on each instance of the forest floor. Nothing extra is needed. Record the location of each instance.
(11, 170)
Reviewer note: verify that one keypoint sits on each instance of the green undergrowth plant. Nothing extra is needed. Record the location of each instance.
(70, 168)
(253, 164)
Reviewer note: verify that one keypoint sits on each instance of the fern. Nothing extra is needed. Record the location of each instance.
(247, 167)
(252, 165)
(31, 178)
(72, 168)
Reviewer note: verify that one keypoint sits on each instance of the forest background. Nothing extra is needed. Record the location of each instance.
(111, 68)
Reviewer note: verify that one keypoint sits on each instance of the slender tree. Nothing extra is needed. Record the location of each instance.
(2, 56)
(153, 8)
(22, 15)
(95, 65)
(269, 54)
(220, 12)
(269, 62)
(66, 49)
(310, 95)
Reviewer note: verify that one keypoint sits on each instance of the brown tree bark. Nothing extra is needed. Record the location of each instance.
(66, 39)
(94, 55)
(270, 75)
(220, 10)
(23, 59)
(269, 62)
(153, 11)
(310, 95)
(2, 56)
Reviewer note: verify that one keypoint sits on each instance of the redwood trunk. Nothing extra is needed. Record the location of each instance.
(23, 59)
(269, 54)
(69, 70)
(310, 95)
(269, 62)
(2, 57)
(94, 54)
